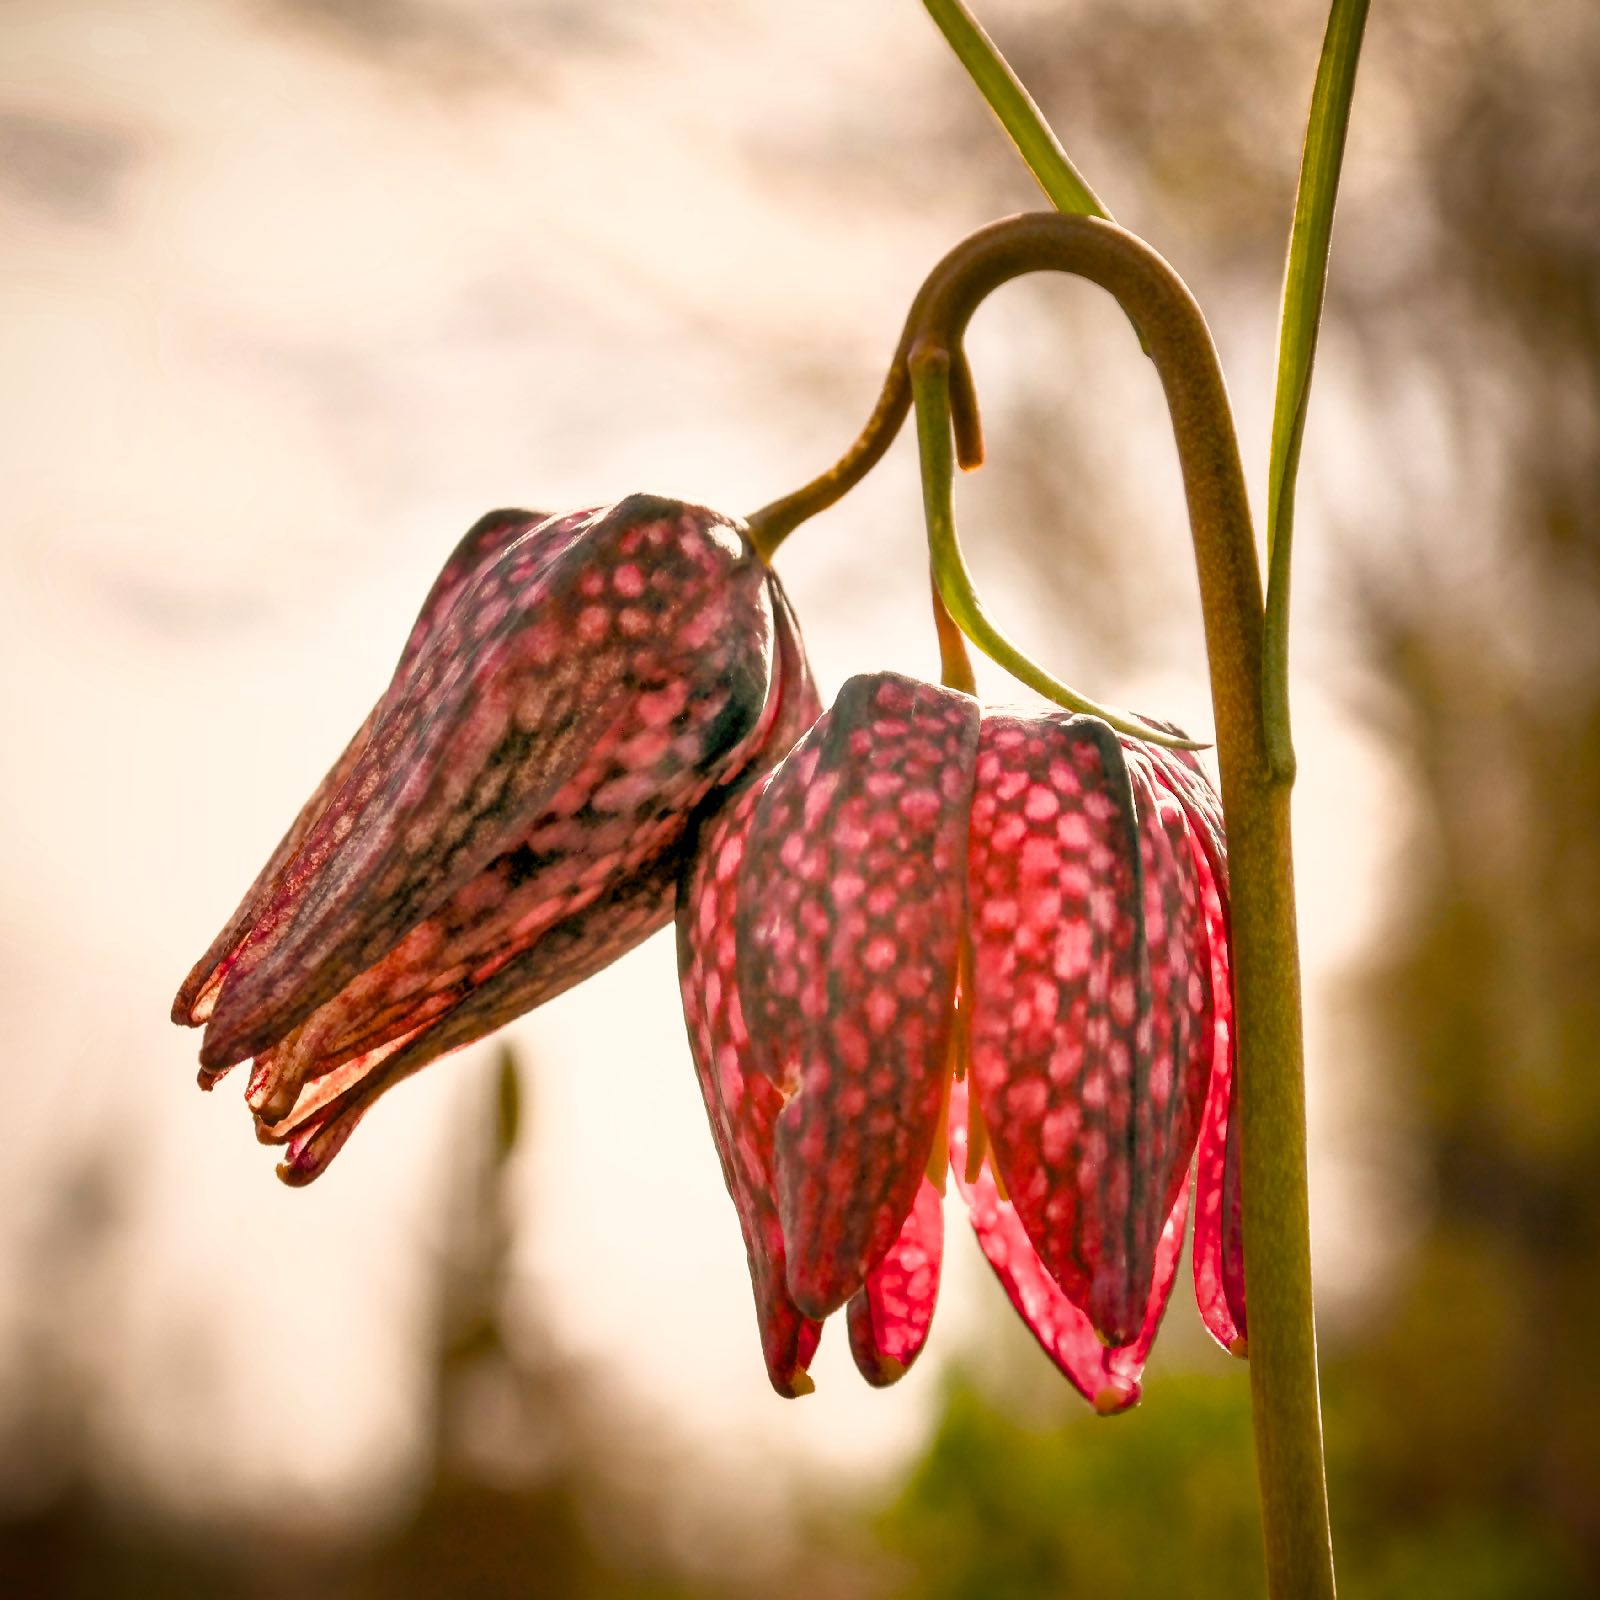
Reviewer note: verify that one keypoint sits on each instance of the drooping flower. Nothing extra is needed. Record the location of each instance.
(513, 813)
(998, 940)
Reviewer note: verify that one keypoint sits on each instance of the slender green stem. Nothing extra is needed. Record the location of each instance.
(1305, 283)
(1067, 188)
(930, 387)
(1283, 1363)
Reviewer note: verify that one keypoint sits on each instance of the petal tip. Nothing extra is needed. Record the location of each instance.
(1111, 1398)
(1240, 1347)
(882, 1372)
(819, 1294)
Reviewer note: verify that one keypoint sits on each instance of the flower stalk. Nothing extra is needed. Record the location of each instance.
(1255, 801)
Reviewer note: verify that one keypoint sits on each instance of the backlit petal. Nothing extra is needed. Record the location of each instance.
(333, 1098)
(1218, 1215)
(487, 538)
(556, 729)
(848, 936)
(742, 1104)
(1091, 1015)
(891, 1313)
(1108, 1376)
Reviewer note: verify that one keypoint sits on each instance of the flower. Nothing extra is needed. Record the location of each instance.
(997, 940)
(512, 815)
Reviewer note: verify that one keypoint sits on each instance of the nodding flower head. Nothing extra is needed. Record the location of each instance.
(996, 941)
(513, 813)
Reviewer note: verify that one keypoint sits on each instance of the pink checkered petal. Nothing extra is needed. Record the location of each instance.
(849, 924)
(557, 727)
(890, 1315)
(1107, 1375)
(314, 1103)
(1218, 1217)
(1091, 1015)
(487, 538)
(742, 1105)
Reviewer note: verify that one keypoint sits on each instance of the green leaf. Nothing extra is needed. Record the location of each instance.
(1014, 106)
(1304, 288)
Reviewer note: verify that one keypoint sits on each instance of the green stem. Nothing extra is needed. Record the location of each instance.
(1305, 283)
(1283, 1363)
(930, 385)
(1022, 119)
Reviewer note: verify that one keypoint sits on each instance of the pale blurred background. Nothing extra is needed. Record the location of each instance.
(290, 292)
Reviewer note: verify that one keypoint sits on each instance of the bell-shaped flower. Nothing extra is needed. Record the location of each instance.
(511, 816)
(996, 940)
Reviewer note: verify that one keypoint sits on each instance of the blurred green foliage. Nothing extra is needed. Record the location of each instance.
(1161, 1501)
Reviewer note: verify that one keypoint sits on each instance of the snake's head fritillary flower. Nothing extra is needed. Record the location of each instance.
(512, 815)
(932, 935)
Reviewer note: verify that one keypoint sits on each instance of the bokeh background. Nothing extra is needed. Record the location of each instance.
(290, 292)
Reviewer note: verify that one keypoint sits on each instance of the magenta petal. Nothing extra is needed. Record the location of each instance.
(849, 934)
(485, 539)
(557, 726)
(328, 1107)
(890, 1315)
(314, 1108)
(1218, 1215)
(743, 1105)
(1108, 1376)
(1091, 1014)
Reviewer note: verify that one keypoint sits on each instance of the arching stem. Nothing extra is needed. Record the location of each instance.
(1255, 792)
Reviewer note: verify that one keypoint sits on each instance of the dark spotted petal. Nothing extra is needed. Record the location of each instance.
(333, 1100)
(1181, 773)
(849, 920)
(890, 1315)
(1218, 1211)
(557, 727)
(1107, 1375)
(1218, 1220)
(1091, 1012)
(330, 1107)
(742, 1105)
(487, 538)
(1180, 1053)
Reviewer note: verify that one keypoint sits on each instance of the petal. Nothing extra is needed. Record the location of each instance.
(1091, 1030)
(741, 1105)
(891, 1313)
(326, 1102)
(1108, 1376)
(485, 539)
(1170, 1098)
(1218, 1214)
(560, 710)
(1180, 772)
(329, 1107)
(849, 927)
(1219, 1219)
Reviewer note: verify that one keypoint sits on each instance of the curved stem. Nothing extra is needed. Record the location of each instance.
(953, 585)
(1255, 793)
